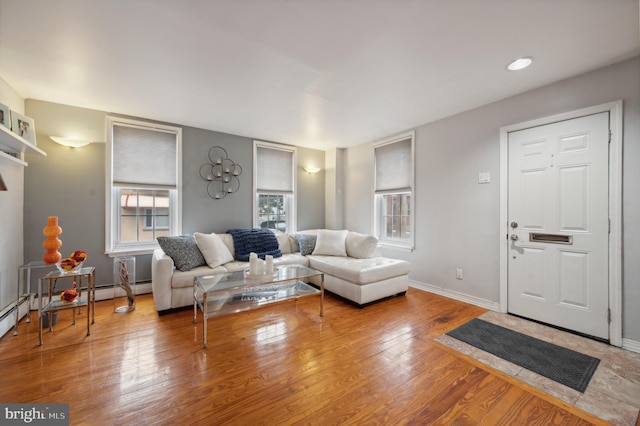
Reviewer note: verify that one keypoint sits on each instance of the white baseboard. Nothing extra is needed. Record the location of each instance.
(631, 345)
(483, 303)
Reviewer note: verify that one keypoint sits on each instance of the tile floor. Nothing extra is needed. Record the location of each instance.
(613, 393)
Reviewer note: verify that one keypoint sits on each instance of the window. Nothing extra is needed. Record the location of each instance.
(394, 191)
(274, 186)
(157, 218)
(143, 175)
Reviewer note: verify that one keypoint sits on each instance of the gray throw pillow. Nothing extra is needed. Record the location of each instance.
(183, 250)
(307, 243)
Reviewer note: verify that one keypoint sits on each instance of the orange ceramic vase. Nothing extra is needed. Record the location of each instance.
(52, 243)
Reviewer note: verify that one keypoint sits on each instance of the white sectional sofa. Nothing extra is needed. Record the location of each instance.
(349, 260)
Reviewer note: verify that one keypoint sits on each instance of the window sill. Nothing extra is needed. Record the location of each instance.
(131, 251)
(395, 246)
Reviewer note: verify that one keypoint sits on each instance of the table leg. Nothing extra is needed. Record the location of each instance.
(89, 310)
(205, 319)
(322, 296)
(195, 302)
(40, 312)
(93, 297)
(28, 295)
(50, 314)
(15, 329)
(79, 290)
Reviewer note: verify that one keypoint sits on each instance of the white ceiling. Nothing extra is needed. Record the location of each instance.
(315, 73)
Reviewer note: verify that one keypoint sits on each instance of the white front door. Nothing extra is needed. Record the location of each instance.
(559, 225)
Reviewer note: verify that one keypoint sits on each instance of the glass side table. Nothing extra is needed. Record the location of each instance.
(85, 280)
(22, 271)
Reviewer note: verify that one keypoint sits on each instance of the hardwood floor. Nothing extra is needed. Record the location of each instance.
(281, 364)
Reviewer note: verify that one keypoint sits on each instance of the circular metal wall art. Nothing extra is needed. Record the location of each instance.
(221, 174)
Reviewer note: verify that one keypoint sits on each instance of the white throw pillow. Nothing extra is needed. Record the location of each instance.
(284, 243)
(361, 246)
(331, 243)
(214, 251)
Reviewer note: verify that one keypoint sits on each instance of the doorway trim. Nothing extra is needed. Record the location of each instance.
(615, 206)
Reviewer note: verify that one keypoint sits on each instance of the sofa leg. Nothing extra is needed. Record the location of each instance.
(364, 305)
(171, 310)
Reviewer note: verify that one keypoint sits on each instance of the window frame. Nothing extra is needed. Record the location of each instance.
(290, 199)
(378, 196)
(112, 200)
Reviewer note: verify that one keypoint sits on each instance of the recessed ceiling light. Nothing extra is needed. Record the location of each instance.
(519, 64)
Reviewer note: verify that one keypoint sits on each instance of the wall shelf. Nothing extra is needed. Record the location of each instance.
(13, 143)
(11, 159)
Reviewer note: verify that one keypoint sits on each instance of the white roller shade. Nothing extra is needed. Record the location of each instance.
(144, 156)
(274, 170)
(393, 167)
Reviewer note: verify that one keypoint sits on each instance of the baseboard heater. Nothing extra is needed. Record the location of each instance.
(11, 309)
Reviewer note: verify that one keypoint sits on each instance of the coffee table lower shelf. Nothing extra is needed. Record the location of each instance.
(240, 298)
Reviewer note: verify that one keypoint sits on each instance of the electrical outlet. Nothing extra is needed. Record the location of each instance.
(459, 274)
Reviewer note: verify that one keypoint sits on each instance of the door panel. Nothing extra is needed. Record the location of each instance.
(574, 143)
(534, 184)
(532, 272)
(558, 185)
(574, 279)
(573, 208)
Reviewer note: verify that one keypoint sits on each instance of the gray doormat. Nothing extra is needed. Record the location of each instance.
(559, 364)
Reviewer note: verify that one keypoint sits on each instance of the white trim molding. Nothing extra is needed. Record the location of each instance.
(615, 206)
(631, 345)
(461, 297)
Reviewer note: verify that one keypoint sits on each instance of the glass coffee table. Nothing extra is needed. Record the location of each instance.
(220, 294)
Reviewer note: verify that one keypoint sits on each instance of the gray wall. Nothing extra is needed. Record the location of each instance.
(334, 187)
(457, 219)
(310, 189)
(203, 214)
(70, 183)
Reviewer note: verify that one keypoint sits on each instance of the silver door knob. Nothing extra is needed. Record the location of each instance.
(514, 225)
(514, 237)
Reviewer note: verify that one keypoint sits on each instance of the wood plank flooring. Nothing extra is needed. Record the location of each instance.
(281, 364)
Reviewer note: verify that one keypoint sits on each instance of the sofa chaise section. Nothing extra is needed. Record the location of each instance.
(362, 281)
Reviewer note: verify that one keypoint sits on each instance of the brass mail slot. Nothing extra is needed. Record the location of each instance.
(550, 238)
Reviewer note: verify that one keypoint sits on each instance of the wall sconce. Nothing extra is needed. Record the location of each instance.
(221, 174)
(73, 143)
(311, 169)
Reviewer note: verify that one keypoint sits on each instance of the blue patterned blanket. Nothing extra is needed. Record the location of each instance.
(260, 241)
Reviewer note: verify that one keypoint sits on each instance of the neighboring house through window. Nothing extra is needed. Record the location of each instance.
(393, 212)
(274, 186)
(157, 219)
(143, 174)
